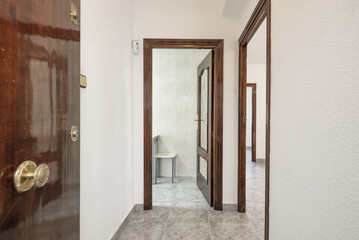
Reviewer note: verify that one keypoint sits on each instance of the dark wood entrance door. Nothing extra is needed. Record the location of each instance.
(204, 127)
(39, 103)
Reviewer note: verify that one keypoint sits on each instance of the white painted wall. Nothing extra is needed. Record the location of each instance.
(249, 118)
(106, 119)
(315, 127)
(256, 73)
(314, 123)
(188, 19)
(174, 106)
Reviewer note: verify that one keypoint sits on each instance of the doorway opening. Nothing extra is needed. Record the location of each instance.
(167, 149)
(253, 177)
(182, 123)
(251, 127)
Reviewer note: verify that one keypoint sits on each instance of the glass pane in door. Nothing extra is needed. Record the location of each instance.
(204, 110)
(203, 167)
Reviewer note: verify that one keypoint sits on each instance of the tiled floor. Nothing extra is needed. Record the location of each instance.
(182, 193)
(188, 223)
(256, 195)
(181, 212)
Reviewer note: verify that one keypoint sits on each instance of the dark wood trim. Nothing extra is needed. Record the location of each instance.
(269, 85)
(260, 13)
(255, 21)
(242, 129)
(217, 46)
(254, 120)
(147, 108)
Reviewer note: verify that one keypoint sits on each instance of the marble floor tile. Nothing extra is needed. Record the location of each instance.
(188, 215)
(258, 225)
(140, 230)
(183, 193)
(156, 214)
(187, 231)
(232, 230)
(226, 216)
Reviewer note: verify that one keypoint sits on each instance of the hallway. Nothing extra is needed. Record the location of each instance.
(181, 212)
(100, 99)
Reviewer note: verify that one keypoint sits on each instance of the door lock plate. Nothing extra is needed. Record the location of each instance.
(74, 133)
(74, 15)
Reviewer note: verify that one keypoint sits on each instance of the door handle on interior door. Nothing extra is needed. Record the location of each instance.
(198, 120)
(29, 174)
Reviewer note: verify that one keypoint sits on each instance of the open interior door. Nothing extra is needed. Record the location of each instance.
(40, 106)
(204, 127)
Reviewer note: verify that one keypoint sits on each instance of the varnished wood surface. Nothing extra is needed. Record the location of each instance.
(205, 186)
(217, 46)
(147, 107)
(261, 12)
(242, 129)
(268, 125)
(39, 101)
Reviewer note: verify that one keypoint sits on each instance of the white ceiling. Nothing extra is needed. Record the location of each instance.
(234, 9)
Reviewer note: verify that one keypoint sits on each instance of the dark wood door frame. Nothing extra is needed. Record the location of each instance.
(261, 12)
(254, 120)
(217, 46)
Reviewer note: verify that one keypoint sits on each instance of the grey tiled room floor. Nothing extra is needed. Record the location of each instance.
(181, 212)
(182, 193)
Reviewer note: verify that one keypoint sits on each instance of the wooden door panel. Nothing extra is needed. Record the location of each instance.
(39, 102)
(204, 127)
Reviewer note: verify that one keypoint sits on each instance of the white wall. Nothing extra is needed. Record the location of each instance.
(249, 118)
(174, 106)
(314, 124)
(315, 127)
(256, 73)
(188, 19)
(106, 120)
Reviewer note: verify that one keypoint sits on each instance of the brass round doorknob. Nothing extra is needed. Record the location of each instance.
(24, 176)
(28, 174)
(41, 175)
